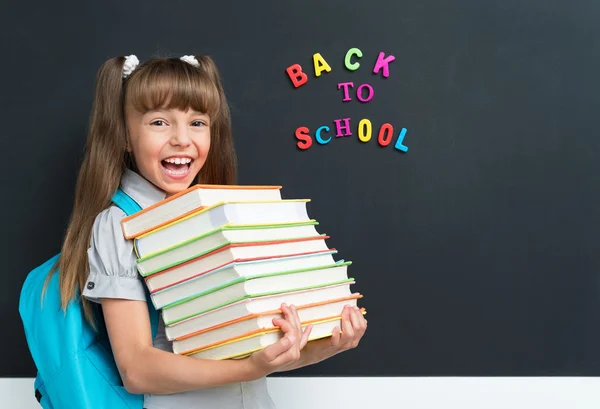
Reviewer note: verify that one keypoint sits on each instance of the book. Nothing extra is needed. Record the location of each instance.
(220, 237)
(257, 323)
(255, 287)
(242, 347)
(253, 306)
(190, 200)
(219, 215)
(159, 279)
(238, 270)
(219, 261)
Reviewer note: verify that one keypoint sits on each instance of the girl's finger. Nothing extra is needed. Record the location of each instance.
(286, 327)
(305, 335)
(271, 352)
(284, 324)
(287, 357)
(294, 319)
(347, 330)
(335, 338)
(363, 322)
(355, 319)
(290, 314)
(285, 311)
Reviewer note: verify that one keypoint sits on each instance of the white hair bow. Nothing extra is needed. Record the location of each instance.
(190, 59)
(131, 61)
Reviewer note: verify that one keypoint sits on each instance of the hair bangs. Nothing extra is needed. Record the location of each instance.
(172, 84)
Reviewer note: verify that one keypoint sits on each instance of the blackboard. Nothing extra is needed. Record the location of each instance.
(476, 247)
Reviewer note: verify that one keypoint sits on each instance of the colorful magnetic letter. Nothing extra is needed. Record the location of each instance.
(364, 123)
(399, 145)
(318, 135)
(352, 66)
(383, 63)
(295, 73)
(339, 127)
(345, 85)
(385, 129)
(320, 64)
(359, 93)
(304, 139)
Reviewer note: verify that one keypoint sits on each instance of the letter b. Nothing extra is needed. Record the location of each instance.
(295, 73)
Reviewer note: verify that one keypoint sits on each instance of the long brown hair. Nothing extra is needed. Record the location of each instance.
(166, 83)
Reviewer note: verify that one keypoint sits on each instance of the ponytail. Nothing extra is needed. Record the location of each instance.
(98, 178)
(221, 163)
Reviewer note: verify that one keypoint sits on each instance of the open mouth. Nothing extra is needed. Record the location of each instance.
(177, 166)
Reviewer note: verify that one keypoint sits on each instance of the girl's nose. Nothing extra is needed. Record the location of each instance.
(180, 136)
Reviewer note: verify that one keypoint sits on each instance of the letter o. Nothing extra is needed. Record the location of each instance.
(362, 135)
(359, 93)
(382, 138)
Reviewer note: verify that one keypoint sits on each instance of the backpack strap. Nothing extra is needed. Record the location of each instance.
(130, 206)
(126, 203)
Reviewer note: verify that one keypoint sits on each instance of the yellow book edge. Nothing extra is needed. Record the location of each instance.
(202, 210)
(202, 187)
(249, 352)
(354, 296)
(227, 226)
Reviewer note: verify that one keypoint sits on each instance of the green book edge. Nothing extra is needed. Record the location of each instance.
(254, 296)
(225, 244)
(311, 222)
(242, 279)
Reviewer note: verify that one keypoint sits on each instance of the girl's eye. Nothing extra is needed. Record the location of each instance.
(158, 122)
(198, 123)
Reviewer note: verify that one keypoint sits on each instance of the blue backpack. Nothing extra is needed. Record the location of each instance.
(75, 365)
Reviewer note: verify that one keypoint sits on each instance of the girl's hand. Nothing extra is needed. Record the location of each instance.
(354, 326)
(286, 351)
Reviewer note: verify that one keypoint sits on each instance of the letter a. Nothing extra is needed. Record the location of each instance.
(320, 65)
(295, 73)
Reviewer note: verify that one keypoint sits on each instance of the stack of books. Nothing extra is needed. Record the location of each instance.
(218, 262)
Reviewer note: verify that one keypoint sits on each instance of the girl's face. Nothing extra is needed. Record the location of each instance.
(169, 146)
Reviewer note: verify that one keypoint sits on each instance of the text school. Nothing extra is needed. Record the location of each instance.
(364, 129)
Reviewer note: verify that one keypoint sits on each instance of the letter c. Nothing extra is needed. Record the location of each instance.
(318, 135)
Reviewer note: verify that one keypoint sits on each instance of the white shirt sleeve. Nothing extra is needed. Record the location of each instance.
(112, 261)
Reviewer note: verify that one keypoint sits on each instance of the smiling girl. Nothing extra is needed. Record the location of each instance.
(157, 128)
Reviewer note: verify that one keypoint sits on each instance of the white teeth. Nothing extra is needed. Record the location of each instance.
(178, 161)
(177, 172)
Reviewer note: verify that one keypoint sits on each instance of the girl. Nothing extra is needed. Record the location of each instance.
(157, 128)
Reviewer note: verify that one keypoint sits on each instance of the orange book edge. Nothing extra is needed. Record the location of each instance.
(166, 222)
(186, 191)
(237, 260)
(277, 311)
(245, 300)
(261, 331)
(197, 211)
(234, 245)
